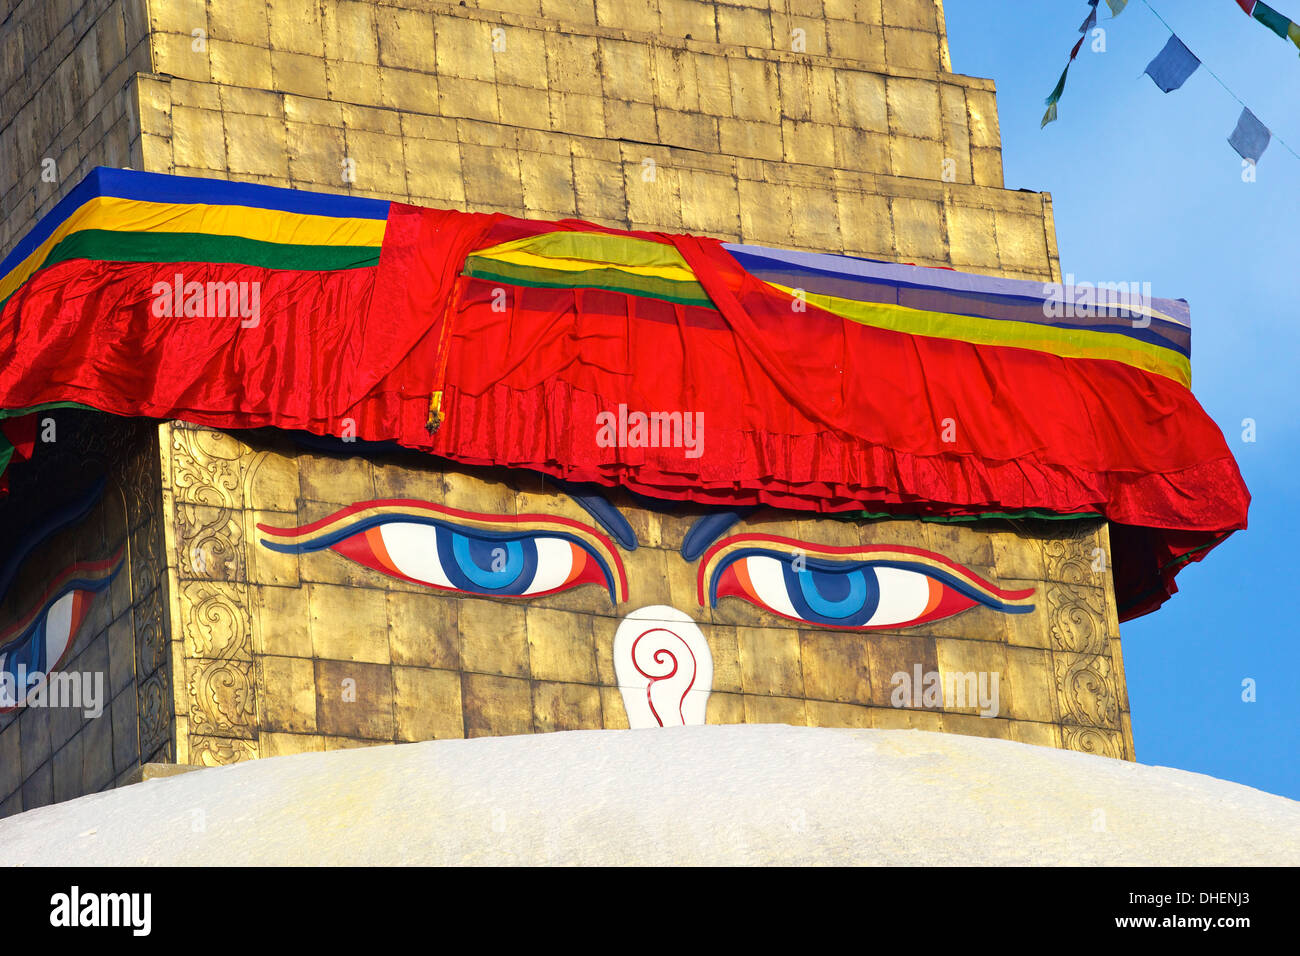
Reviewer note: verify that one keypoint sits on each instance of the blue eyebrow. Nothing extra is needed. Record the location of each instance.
(605, 514)
(709, 528)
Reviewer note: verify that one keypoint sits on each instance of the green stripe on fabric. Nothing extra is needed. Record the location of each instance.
(47, 407)
(1054, 97)
(610, 280)
(597, 248)
(107, 246)
(1272, 19)
(1185, 558)
(6, 453)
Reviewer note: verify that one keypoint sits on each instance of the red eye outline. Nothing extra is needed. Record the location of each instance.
(97, 575)
(960, 588)
(338, 532)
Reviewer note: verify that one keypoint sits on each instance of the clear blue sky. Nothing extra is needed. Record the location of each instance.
(1146, 188)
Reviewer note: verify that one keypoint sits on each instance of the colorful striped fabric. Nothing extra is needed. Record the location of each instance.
(1111, 322)
(117, 215)
(592, 260)
(1118, 322)
(828, 383)
(1282, 25)
(124, 216)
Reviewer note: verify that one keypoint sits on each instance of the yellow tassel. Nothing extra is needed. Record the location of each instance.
(435, 413)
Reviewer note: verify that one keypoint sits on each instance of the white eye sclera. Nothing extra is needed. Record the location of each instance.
(902, 596)
(413, 549)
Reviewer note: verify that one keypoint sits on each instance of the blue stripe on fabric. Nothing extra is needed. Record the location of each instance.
(1158, 332)
(189, 190)
(918, 277)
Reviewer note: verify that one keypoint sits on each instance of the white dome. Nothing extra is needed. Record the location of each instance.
(741, 794)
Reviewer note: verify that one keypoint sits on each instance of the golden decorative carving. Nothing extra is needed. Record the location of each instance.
(1075, 560)
(148, 567)
(1077, 619)
(138, 473)
(222, 699)
(140, 476)
(1086, 690)
(210, 543)
(151, 636)
(154, 695)
(215, 620)
(212, 604)
(220, 751)
(1094, 740)
(206, 467)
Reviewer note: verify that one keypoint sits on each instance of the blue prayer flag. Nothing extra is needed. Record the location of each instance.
(1250, 138)
(1172, 65)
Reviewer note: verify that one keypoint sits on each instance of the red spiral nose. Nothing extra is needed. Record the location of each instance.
(664, 668)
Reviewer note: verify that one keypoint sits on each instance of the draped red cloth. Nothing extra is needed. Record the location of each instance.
(801, 410)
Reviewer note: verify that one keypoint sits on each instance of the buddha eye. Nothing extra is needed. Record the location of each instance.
(524, 556)
(860, 588)
(519, 566)
(40, 643)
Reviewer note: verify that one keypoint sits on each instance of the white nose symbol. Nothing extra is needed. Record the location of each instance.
(664, 668)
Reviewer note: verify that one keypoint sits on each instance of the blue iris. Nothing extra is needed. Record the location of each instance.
(30, 648)
(831, 595)
(846, 593)
(29, 651)
(487, 564)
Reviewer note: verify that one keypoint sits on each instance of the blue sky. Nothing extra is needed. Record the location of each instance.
(1146, 188)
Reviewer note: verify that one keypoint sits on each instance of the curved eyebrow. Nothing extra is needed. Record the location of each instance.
(605, 515)
(93, 576)
(706, 530)
(709, 528)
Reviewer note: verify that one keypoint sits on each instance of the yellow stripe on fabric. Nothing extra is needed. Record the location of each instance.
(247, 222)
(1066, 343)
(576, 251)
(531, 260)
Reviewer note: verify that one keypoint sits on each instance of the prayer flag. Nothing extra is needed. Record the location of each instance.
(1250, 138)
(1172, 65)
(1272, 19)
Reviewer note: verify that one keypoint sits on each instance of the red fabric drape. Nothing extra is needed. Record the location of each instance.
(800, 410)
(84, 332)
(803, 410)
